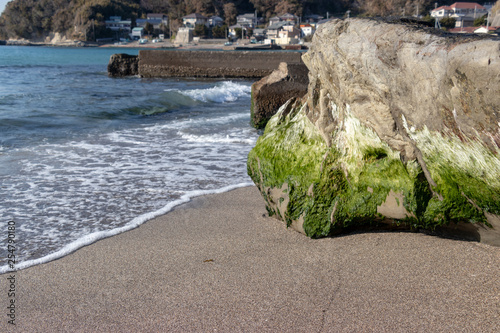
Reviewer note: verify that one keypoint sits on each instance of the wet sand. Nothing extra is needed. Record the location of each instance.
(219, 264)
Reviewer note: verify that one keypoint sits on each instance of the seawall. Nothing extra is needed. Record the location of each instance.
(209, 64)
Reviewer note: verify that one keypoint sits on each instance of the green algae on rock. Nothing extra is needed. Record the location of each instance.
(362, 148)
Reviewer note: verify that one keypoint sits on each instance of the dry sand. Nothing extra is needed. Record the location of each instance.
(218, 264)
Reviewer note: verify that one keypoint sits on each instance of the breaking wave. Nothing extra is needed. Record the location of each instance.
(223, 92)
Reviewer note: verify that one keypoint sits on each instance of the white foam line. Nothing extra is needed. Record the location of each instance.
(94, 237)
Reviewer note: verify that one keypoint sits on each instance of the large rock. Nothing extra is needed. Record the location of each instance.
(123, 65)
(272, 91)
(400, 125)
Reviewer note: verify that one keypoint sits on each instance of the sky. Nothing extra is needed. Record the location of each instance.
(2, 5)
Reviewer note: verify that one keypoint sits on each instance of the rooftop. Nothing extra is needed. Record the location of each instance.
(461, 5)
(195, 15)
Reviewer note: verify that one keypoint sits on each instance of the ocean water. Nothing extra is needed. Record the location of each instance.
(84, 156)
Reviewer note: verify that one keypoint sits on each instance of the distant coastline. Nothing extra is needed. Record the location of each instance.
(207, 45)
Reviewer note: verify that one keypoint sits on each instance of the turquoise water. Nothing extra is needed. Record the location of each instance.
(84, 156)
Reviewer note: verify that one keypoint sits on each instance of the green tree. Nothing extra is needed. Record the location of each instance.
(200, 30)
(230, 13)
(448, 22)
(148, 27)
(219, 32)
(480, 21)
(237, 32)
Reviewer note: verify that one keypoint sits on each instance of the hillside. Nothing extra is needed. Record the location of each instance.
(84, 19)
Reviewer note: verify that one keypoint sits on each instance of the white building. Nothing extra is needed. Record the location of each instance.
(307, 29)
(137, 33)
(191, 20)
(288, 35)
(463, 12)
(116, 23)
(249, 20)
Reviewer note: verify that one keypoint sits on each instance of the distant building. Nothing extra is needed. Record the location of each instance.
(313, 18)
(274, 29)
(191, 20)
(249, 20)
(233, 32)
(259, 34)
(156, 20)
(288, 18)
(116, 23)
(137, 33)
(162, 17)
(288, 35)
(485, 30)
(215, 21)
(307, 29)
(463, 12)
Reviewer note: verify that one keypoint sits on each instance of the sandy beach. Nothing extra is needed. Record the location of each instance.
(219, 264)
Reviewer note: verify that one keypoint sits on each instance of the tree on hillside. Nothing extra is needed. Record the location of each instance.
(394, 7)
(266, 7)
(230, 13)
(288, 6)
(219, 32)
(148, 28)
(480, 21)
(448, 22)
(200, 30)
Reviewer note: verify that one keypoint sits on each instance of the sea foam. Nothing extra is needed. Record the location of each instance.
(223, 92)
(96, 169)
(94, 237)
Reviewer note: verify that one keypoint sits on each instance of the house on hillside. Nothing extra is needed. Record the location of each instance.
(274, 29)
(237, 31)
(249, 20)
(116, 23)
(288, 35)
(137, 33)
(259, 34)
(215, 21)
(191, 20)
(288, 18)
(307, 29)
(475, 30)
(313, 18)
(463, 12)
(156, 16)
(155, 22)
(246, 20)
(486, 30)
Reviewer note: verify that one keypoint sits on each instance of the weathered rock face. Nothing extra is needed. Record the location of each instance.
(400, 125)
(272, 91)
(123, 65)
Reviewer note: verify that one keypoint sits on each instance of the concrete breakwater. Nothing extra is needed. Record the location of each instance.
(210, 64)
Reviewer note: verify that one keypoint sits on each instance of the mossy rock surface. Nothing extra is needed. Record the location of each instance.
(362, 182)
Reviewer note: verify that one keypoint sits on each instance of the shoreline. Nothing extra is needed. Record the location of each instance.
(218, 263)
(136, 222)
